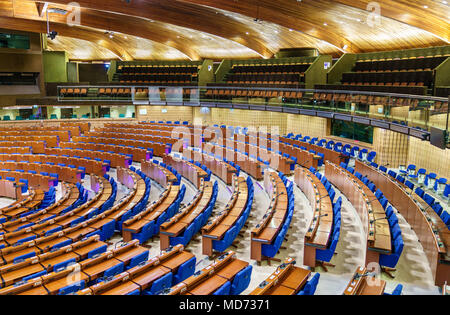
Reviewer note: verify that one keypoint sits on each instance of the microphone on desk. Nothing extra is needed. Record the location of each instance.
(372, 221)
(367, 274)
(323, 215)
(438, 230)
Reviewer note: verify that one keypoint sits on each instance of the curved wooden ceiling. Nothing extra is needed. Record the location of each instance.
(217, 29)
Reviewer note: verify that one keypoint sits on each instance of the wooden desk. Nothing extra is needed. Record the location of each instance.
(178, 223)
(362, 284)
(286, 280)
(215, 229)
(210, 278)
(266, 231)
(424, 221)
(368, 208)
(320, 229)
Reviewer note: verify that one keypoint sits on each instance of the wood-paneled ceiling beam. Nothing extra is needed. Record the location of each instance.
(64, 30)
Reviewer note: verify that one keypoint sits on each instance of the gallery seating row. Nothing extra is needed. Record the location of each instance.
(159, 69)
(396, 89)
(247, 92)
(265, 78)
(271, 68)
(365, 99)
(397, 64)
(407, 78)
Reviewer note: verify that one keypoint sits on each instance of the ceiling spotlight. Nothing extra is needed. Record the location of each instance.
(110, 34)
(52, 34)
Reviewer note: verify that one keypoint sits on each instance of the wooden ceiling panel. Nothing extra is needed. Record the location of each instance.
(79, 49)
(216, 29)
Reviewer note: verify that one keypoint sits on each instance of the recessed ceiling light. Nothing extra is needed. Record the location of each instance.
(325, 24)
(246, 33)
(290, 30)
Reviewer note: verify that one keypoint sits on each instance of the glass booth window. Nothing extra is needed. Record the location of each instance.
(351, 130)
(14, 41)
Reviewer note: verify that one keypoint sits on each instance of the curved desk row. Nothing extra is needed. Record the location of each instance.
(69, 227)
(211, 278)
(13, 273)
(433, 234)
(286, 280)
(141, 278)
(137, 153)
(83, 126)
(178, 224)
(65, 173)
(34, 195)
(62, 135)
(188, 170)
(362, 283)
(158, 148)
(156, 209)
(70, 194)
(218, 167)
(15, 150)
(116, 160)
(37, 147)
(268, 228)
(321, 226)
(131, 134)
(52, 223)
(369, 209)
(87, 271)
(50, 141)
(217, 228)
(249, 165)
